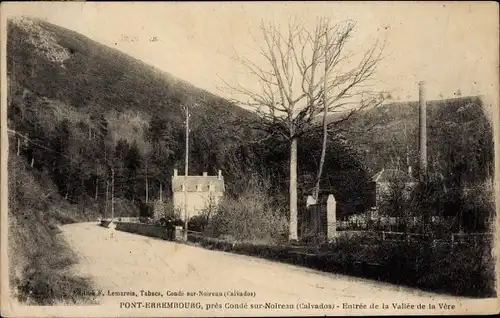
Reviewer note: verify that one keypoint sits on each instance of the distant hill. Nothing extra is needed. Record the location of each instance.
(459, 137)
(66, 66)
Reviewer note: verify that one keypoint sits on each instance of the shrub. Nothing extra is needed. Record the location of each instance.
(465, 206)
(251, 216)
(145, 209)
(466, 270)
(198, 223)
(478, 206)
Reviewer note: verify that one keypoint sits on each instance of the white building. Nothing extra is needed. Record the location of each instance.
(201, 193)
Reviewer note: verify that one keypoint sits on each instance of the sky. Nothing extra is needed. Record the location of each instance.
(449, 45)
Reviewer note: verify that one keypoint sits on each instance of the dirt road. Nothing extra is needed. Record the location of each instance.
(123, 262)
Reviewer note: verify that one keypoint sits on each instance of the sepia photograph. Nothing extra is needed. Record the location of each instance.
(249, 159)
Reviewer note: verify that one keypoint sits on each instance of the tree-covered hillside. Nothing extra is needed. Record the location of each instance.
(459, 138)
(89, 110)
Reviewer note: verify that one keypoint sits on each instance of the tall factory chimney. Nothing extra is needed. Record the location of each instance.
(422, 127)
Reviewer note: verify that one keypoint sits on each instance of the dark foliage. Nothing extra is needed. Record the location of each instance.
(463, 270)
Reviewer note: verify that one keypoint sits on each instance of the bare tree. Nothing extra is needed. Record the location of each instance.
(305, 74)
(342, 90)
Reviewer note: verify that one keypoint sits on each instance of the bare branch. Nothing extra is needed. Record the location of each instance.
(317, 64)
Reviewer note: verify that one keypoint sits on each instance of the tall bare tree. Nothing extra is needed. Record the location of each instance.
(305, 74)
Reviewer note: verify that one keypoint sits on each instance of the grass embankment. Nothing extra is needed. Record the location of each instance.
(40, 259)
(461, 270)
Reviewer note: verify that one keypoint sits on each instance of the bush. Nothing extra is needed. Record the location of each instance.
(198, 223)
(466, 270)
(478, 207)
(465, 206)
(145, 209)
(251, 216)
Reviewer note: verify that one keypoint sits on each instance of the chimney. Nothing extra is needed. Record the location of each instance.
(204, 174)
(220, 174)
(422, 127)
(175, 172)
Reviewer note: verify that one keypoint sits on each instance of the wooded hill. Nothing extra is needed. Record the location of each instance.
(459, 138)
(104, 109)
(87, 108)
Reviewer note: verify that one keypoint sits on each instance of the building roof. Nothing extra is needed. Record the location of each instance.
(198, 183)
(392, 175)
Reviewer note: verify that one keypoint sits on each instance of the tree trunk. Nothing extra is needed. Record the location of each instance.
(83, 190)
(67, 191)
(112, 194)
(323, 150)
(96, 187)
(325, 130)
(293, 190)
(68, 180)
(161, 198)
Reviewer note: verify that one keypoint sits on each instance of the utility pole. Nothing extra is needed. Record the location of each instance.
(107, 191)
(186, 107)
(112, 194)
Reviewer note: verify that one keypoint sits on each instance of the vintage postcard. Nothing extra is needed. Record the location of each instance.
(249, 159)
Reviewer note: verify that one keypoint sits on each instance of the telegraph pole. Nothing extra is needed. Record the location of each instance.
(107, 191)
(112, 194)
(186, 175)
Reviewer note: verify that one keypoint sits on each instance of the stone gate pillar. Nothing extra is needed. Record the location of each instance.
(307, 217)
(331, 217)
